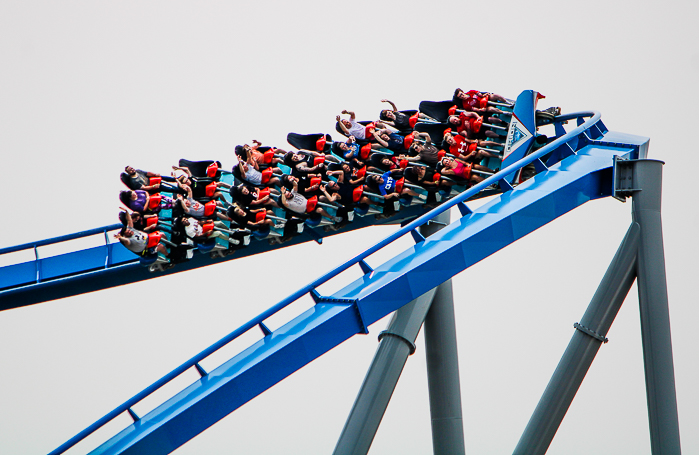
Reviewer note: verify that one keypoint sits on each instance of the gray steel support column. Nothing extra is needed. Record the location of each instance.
(583, 347)
(655, 317)
(396, 343)
(443, 369)
(443, 374)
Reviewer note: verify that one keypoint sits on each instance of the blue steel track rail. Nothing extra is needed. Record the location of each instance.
(351, 310)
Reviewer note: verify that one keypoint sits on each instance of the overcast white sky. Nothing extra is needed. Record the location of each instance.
(88, 87)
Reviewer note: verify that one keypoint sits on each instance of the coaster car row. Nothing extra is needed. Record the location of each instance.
(381, 168)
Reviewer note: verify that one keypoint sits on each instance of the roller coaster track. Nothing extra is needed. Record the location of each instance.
(576, 167)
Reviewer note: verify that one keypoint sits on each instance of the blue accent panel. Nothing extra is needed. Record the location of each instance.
(17, 274)
(77, 261)
(119, 254)
(526, 110)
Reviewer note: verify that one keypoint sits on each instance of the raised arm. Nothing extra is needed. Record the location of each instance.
(330, 197)
(390, 195)
(377, 137)
(188, 189)
(129, 221)
(241, 166)
(251, 161)
(185, 169)
(356, 181)
(342, 125)
(422, 135)
(391, 103)
(466, 114)
(124, 241)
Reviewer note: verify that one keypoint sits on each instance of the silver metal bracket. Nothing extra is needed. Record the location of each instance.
(622, 179)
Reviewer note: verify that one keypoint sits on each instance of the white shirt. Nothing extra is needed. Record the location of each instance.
(194, 229)
(357, 130)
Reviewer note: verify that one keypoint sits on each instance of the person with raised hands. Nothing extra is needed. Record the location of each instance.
(353, 128)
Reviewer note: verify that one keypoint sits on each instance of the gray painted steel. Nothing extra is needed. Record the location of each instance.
(582, 349)
(381, 379)
(443, 368)
(655, 317)
(397, 342)
(443, 374)
(641, 256)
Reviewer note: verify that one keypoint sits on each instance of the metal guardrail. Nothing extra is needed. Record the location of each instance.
(310, 288)
(63, 238)
(77, 261)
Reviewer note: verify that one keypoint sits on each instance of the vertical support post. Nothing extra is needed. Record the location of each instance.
(108, 250)
(582, 349)
(38, 264)
(443, 371)
(443, 374)
(655, 316)
(396, 343)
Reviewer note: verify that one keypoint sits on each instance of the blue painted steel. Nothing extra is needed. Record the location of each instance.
(583, 176)
(18, 274)
(464, 209)
(366, 268)
(36, 272)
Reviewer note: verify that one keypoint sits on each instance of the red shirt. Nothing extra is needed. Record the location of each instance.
(464, 121)
(460, 146)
